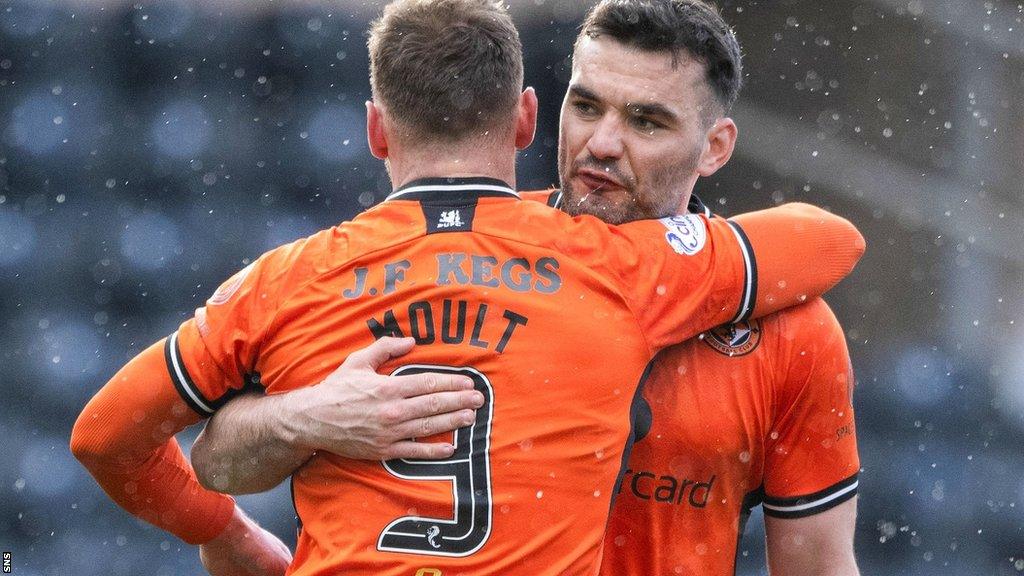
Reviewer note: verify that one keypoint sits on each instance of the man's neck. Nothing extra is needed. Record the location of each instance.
(500, 165)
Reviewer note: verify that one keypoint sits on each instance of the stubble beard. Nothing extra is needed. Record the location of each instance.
(659, 195)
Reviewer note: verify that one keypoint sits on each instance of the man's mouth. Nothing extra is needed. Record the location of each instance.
(596, 181)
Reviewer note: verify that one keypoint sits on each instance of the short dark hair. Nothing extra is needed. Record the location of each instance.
(446, 69)
(689, 26)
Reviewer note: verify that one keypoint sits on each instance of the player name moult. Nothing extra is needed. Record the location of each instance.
(450, 322)
(462, 269)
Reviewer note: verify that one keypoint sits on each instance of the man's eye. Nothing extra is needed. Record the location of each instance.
(585, 108)
(644, 125)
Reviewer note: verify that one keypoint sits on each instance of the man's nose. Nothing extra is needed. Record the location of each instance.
(606, 141)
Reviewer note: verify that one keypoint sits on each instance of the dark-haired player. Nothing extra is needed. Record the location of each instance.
(757, 412)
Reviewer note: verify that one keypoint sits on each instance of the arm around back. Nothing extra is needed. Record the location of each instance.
(686, 274)
(254, 443)
(800, 251)
(248, 447)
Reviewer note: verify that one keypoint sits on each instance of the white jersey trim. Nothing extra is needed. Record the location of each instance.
(452, 188)
(747, 298)
(182, 379)
(814, 503)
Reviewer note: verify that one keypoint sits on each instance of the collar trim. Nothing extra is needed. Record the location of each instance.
(489, 186)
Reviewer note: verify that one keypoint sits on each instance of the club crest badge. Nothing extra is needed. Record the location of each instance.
(734, 339)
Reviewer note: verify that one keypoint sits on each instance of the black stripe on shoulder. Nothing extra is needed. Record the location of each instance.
(183, 382)
(746, 308)
(811, 504)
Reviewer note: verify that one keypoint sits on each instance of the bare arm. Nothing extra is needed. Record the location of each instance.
(254, 443)
(244, 450)
(818, 545)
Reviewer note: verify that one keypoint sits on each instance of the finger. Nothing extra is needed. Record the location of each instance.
(400, 412)
(420, 450)
(431, 425)
(379, 352)
(438, 403)
(428, 382)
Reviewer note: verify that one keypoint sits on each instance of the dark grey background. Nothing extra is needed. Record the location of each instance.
(148, 151)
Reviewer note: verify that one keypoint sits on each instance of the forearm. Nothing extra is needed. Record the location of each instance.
(801, 251)
(255, 442)
(243, 548)
(125, 439)
(247, 447)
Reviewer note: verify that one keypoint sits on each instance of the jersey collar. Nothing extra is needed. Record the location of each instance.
(446, 190)
(697, 206)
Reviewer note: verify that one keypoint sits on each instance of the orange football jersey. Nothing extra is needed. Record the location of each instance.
(504, 292)
(757, 412)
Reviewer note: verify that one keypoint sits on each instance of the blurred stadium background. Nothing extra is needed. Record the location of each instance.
(148, 150)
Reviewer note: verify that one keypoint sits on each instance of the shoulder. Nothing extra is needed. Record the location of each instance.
(303, 251)
(538, 216)
(780, 339)
(685, 233)
(290, 265)
(810, 323)
(805, 340)
(813, 360)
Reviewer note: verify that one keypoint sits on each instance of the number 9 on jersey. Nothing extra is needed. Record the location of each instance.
(469, 471)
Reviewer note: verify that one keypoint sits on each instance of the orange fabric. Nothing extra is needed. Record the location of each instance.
(125, 437)
(790, 244)
(633, 265)
(762, 407)
(540, 520)
(556, 318)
